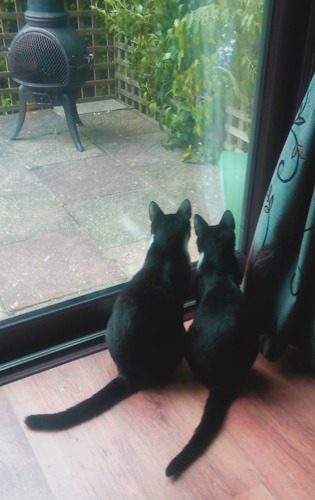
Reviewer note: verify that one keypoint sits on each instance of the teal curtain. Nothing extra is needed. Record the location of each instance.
(279, 277)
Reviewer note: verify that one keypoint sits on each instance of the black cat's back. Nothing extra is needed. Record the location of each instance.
(223, 355)
(221, 345)
(145, 333)
(148, 315)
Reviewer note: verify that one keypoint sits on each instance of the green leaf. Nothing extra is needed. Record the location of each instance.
(153, 108)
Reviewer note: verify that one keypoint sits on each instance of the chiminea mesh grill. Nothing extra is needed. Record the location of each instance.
(50, 62)
(37, 59)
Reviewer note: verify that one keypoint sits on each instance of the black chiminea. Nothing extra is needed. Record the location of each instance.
(50, 61)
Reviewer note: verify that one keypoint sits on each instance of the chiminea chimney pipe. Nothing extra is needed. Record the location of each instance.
(46, 13)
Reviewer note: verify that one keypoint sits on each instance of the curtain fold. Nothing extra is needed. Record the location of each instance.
(279, 277)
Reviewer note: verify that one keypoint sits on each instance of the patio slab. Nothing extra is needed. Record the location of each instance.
(14, 177)
(54, 267)
(110, 127)
(44, 139)
(84, 108)
(116, 220)
(146, 150)
(30, 214)
(88, 178)
(72, 222)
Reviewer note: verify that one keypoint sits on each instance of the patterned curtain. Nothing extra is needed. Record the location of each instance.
(280, 273)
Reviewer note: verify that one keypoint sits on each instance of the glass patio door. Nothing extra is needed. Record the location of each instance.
(73, 223)
(74, 226)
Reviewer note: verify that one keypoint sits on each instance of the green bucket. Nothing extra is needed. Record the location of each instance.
(233, 174)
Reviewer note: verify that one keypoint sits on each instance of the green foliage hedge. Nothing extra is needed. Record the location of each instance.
(191, 58)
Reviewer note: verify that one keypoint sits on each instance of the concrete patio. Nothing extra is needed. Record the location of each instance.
(71, 222)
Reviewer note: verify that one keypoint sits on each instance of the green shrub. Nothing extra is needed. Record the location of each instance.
(190, 59)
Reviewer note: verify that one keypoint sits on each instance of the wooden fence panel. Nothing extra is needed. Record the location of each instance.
(236, 127)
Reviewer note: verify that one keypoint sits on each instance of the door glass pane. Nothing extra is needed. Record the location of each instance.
(172, 122)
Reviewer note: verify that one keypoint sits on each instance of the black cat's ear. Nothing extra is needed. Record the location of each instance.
(154, 211)
(200, 225)
(185, 209)
(228, 220)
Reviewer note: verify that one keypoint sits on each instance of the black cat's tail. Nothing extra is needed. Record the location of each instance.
(214, 413)
(118, 389)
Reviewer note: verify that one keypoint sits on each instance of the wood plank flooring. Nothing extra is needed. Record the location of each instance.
(266, 450)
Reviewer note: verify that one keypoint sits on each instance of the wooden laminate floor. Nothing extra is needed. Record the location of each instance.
(265, 451)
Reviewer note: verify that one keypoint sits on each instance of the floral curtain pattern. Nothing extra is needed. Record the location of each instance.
(279, 277)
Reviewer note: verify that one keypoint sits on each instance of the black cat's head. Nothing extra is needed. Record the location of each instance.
(216, 245)
(170, 231)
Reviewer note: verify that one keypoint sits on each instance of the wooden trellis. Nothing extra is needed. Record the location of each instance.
(236, 128)
(127, 89)
(102, 83)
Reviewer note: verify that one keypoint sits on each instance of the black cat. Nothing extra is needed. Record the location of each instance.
(221, 343)
(145, 333)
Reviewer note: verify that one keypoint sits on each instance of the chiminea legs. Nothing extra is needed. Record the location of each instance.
(72, 118)
(43, 97)
(23, 94)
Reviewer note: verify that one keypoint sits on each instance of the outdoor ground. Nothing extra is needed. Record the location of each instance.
(71, 222)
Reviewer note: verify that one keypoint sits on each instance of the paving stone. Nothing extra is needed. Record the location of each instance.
(105, 106)
(74, 222)
(129, 258)
(106, 128)
(145, 151)
(14, 176)
(202, 185)
(89, 178)
(3, 314)
(5, 150)
(37, 123)
(51, 149)
(115, 220)
(30, 214)
(53, 267)
(45, 139)
(177, 180)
